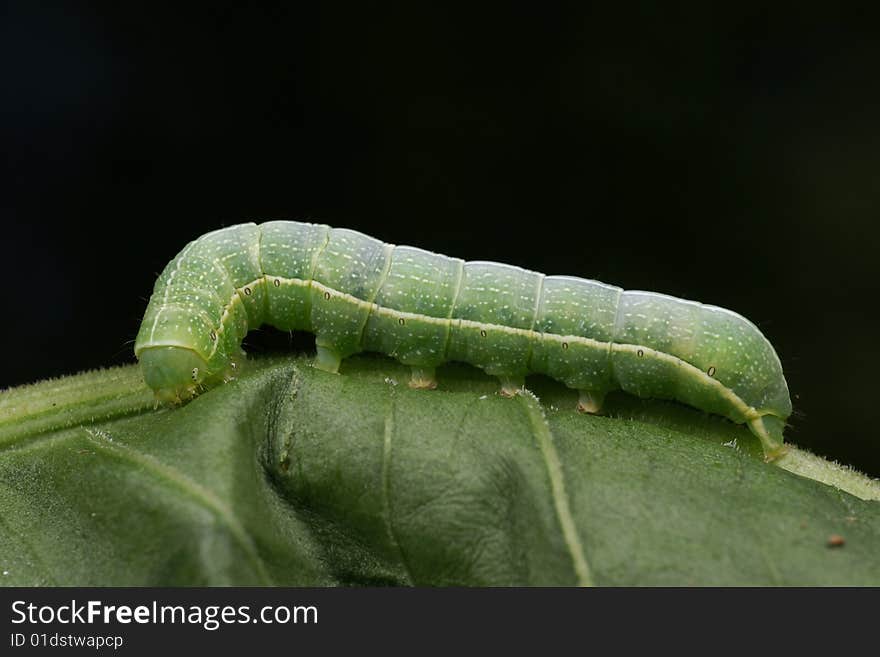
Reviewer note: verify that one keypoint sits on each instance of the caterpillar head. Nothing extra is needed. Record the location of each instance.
(174, 373)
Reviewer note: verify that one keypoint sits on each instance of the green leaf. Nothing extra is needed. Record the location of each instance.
(292, 476)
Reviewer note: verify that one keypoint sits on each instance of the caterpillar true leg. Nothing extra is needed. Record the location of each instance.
(356, 293)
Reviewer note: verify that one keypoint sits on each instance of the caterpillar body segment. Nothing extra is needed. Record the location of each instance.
(356, 293)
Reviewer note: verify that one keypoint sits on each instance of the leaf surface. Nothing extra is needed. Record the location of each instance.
(292, 476)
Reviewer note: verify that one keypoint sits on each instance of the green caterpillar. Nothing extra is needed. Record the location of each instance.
(356, 293)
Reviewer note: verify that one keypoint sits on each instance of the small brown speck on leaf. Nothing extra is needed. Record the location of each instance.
(836, 541)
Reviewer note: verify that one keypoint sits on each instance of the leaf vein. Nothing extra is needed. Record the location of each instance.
(544, 437)
(102, 441)
(386, 486)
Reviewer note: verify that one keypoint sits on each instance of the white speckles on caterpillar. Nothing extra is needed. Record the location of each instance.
(356, 293)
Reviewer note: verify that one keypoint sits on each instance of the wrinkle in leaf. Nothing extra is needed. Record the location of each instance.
(293, 476)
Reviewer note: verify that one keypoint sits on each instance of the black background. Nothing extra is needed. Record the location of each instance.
(726, 155)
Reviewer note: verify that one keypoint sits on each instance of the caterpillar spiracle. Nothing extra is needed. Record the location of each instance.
(356, 293)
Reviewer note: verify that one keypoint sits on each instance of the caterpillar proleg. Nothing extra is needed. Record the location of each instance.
(356, 293)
